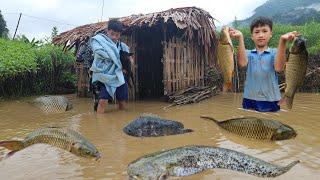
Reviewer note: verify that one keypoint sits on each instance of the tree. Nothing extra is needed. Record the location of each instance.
(54, 32)
(48, 39)
(3, 27)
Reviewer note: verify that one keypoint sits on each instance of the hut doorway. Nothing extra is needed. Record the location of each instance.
(150, 68)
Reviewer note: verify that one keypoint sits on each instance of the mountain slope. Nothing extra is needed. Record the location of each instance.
(287, 11)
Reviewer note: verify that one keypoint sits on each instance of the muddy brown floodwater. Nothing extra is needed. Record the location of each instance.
(18, 118)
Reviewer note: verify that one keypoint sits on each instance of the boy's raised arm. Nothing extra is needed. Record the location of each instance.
(281, 54)
(242, 56)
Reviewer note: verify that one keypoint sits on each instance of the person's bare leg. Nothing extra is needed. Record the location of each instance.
(122, 105)
(101, 106)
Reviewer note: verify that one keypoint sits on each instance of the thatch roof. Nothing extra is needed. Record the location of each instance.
(189, 19)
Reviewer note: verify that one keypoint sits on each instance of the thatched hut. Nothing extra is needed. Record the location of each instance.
(171, 48)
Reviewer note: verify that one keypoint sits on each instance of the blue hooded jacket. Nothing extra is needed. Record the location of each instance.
(106, 66)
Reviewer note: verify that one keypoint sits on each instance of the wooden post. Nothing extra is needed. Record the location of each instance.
(15, 32)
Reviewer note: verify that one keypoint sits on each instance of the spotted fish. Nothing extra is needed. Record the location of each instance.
(153, 126)
(189, 160)
(257, 128)
(53, 104)
(63, 138)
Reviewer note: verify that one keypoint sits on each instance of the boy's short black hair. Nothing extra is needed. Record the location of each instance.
(261, 21)
(115, 25)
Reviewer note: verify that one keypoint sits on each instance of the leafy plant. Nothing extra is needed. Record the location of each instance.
(16, 58)
(24, 39)
(26, 68)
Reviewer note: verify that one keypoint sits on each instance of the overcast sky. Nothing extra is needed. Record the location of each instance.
(39, 16)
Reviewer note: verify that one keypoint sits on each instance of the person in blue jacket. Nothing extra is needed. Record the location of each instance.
(107, 68)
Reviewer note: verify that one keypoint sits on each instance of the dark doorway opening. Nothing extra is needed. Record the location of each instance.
(150, 67)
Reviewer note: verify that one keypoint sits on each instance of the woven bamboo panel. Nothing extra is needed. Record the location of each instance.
(183, 65)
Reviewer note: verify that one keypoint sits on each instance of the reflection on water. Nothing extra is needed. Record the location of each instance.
(18, 118)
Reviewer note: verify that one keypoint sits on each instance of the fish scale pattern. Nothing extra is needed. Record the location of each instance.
(188, 160)
(152, 126)
(52, 104)
(59, 137)
(296, 69)
(250, 127)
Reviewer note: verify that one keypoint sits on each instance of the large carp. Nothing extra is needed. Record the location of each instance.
(257, 128)
(188, 160)
(225, 58)
(53, 104)
(63, 138)
(153, 126)
(296, 69)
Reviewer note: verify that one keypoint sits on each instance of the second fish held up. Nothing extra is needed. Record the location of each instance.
(225, 58)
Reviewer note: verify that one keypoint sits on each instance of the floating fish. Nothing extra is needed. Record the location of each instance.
(189, 160)
(63, 138)
(257, 128)
(153, 126)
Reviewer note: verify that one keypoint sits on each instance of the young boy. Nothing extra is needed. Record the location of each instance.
(261, 90)
(107, 68)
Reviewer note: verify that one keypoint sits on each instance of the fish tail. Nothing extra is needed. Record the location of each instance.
(210, 118)
(289, 166)
(186, 131)
(227, 87)
(289, 102)
(14, 146)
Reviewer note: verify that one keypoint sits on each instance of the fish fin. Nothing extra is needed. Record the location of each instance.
(289, 166)
(163, 177)
(10, 153)
(289, 102)
(185, 131)
(227, 87)
(12, 145)
(150, 115)
(53, 126)
(210, 118)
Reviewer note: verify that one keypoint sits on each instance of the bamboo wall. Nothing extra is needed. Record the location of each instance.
(183, 65)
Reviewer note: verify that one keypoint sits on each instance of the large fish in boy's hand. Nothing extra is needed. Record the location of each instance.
(295, 70)
(225, 58)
